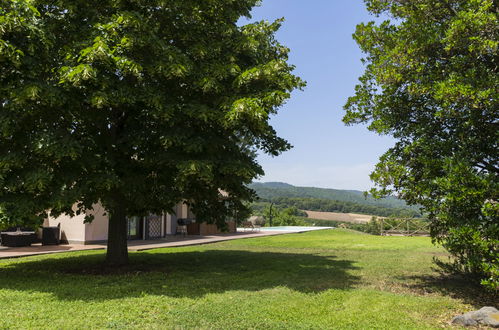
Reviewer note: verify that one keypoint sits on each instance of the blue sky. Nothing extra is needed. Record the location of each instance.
(326, 153)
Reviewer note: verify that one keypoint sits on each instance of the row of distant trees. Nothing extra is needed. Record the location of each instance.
(327, 205)
(278, 215)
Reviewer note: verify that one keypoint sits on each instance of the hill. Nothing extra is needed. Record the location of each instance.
(321, 199)
(269, 190)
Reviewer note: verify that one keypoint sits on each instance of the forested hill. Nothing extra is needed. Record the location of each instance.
(282, 193)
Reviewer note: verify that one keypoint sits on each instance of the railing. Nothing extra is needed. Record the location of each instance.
(404, 227)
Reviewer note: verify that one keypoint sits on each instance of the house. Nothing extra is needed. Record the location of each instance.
(76, 231)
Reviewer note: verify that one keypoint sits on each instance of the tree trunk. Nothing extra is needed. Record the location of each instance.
(117, 249)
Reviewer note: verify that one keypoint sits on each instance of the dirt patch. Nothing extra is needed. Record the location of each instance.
(335, 216)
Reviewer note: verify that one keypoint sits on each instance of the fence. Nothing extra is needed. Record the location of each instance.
(404, 227)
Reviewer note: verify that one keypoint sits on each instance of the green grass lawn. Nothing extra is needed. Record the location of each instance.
(322, 279)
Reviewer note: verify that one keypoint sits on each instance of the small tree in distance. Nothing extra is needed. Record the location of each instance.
(431, 82)
(137, 105)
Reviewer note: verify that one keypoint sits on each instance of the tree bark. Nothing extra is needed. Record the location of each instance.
(117, 248)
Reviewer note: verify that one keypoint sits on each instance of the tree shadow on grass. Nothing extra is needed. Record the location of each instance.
(182, 274)
(454, 286)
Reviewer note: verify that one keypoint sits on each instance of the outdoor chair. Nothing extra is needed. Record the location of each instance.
(249, 225)
(51, 235)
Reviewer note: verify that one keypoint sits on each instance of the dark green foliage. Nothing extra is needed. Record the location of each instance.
(257, 208)
(281, 216)
(262, 208)
(272, 190)
(373, 226)
(4, 221)
(137, 105)
(431, 82)
(327, 205)
(287, 217)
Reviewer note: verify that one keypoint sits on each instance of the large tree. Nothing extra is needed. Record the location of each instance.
(137, 105)
(431, 81)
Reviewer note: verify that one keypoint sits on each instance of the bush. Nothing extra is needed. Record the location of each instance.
(467, 226)
(474, 245)
(288, 217)
(373, 227)
(3, 221)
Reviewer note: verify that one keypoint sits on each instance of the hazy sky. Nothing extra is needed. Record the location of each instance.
(326, 153)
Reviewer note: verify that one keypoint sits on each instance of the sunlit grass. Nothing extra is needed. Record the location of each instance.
(322, 279)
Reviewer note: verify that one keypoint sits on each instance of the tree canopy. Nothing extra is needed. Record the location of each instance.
(136, 104)
(431, 81)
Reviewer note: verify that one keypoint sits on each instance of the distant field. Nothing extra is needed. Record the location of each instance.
(335, 216)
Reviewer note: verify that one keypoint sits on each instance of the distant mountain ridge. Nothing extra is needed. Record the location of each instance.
(270, 190)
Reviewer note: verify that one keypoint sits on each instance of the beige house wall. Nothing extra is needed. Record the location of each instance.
(97, 230)
(184, 210)
(169, 226)
(72, 229)
(76, 231)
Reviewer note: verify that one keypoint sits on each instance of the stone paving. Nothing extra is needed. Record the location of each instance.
(36, 249)
(170, 241)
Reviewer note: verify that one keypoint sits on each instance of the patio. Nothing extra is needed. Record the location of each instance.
(136, 245)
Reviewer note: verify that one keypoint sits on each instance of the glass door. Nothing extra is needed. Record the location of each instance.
(134, 227)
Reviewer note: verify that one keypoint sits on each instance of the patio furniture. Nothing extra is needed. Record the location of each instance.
(17, 237)
(51, 235)
(249, 225)
(182, 226)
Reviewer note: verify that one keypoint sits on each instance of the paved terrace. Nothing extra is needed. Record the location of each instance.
(139, 245)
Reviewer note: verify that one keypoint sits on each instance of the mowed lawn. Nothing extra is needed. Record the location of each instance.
(323, 279)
